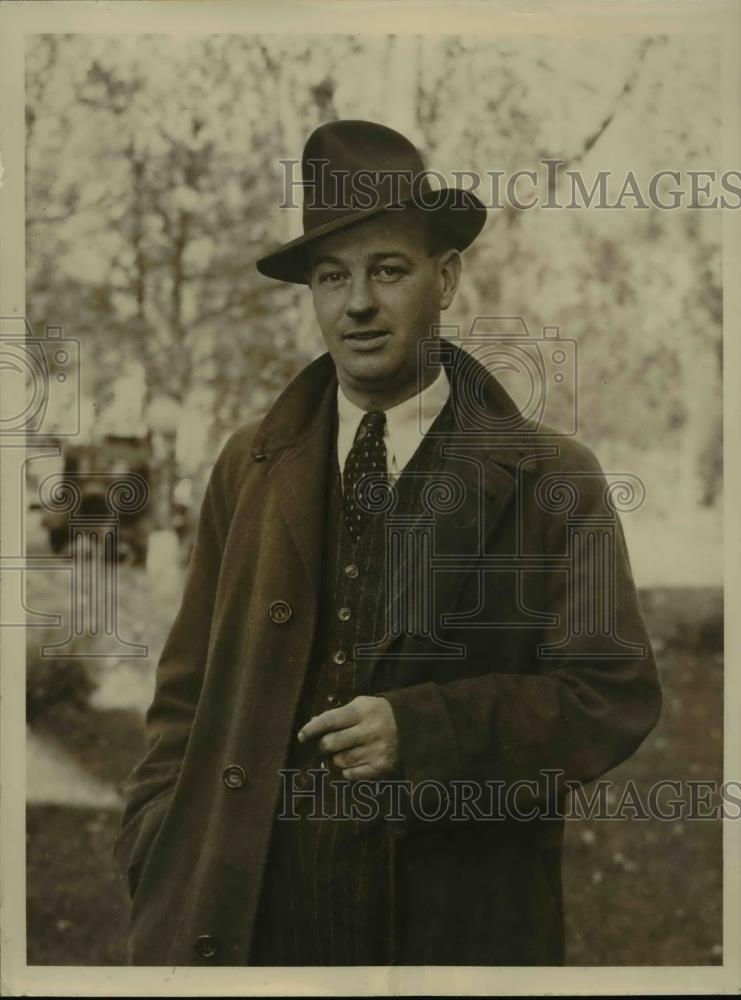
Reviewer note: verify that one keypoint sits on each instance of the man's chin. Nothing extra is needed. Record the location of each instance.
(371, 370)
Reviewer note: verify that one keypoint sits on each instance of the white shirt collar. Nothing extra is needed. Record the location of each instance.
(406, 423)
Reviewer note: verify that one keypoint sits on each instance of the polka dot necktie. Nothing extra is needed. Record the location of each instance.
(367, 455)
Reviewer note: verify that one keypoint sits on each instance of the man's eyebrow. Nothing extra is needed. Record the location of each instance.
(378, 255)
(325, 259)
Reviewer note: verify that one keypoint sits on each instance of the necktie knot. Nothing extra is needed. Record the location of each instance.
(373, 421)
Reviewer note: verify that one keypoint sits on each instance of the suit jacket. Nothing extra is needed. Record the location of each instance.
(532, 656)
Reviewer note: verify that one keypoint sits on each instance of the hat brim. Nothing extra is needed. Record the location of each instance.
(459, 216)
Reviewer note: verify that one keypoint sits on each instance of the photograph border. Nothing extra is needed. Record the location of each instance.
(593, 18)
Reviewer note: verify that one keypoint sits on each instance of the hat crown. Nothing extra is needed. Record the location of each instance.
(354, 145)
(351, 165)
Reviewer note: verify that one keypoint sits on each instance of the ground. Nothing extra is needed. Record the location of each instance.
(636, 891)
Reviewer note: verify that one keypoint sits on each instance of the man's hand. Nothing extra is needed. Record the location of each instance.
(361, 737)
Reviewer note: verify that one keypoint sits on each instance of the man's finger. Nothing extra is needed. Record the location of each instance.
(328, 722)
(350, 758)
(342, 739)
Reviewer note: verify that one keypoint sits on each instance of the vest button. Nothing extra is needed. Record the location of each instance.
(206, 946)
(279, 612)
(344, 614)
(234, 776)
(351, 571)
(339, 658)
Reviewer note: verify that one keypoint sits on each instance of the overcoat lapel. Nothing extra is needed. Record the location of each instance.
(295, 439)
(457, 509)
(461, 497)
(299, 479)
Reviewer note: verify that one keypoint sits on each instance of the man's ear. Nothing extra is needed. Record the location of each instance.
(450, 266)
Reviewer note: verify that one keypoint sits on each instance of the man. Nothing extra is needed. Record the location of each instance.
(397, 583)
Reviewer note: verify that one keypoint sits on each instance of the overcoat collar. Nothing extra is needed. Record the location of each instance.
(481, 409)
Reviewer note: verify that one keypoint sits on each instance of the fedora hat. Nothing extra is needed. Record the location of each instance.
(351, 170)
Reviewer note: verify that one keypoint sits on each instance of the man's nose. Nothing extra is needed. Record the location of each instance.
(360, 301)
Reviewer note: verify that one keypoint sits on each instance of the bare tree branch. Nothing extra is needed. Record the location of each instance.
(593, 138)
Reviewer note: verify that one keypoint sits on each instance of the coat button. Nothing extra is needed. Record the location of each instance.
(234, 776)
(339, 657)
(344, 614)
(351, 571)
(279, 612)
(333, 700)
(206, 946)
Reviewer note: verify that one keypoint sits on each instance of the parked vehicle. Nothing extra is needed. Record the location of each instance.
(94, 470)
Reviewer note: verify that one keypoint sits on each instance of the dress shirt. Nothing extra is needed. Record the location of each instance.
(406, 424)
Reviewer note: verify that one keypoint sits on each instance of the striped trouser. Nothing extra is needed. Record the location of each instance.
(325, 897)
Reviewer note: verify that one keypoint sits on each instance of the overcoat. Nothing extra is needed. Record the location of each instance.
(534, 661)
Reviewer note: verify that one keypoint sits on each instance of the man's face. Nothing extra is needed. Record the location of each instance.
(377, 293)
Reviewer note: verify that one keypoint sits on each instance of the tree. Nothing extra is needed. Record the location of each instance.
(154, 184)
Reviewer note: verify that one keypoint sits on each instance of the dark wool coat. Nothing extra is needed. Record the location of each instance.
(531, 582)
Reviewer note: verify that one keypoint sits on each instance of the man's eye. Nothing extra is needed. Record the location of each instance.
(389, 271)
(330, 277)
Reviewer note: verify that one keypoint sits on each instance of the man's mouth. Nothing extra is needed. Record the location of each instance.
(366, 336)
